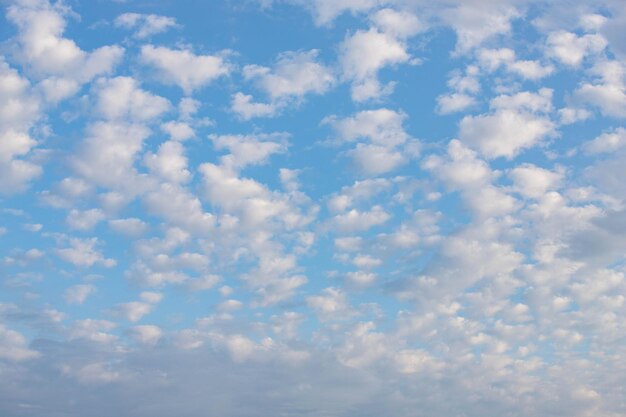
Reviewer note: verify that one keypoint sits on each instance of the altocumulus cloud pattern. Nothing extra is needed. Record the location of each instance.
(315, 208)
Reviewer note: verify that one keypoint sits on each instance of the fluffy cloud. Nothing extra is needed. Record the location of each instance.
(389, 145)
(61, 64)
(517, 123)
(607, 142)
(17, 115)
(571, 49)
(145, 25)
(14, 347)
(363, 54)
(83, 253)
(184, 68)
(77, 294)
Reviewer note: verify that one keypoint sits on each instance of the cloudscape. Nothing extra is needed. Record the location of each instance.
(312, 208)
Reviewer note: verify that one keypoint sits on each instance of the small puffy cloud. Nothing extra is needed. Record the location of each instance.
(360, 278)
(77, 294)
(454, 102)
(169, 163)
(57, 60)
(383, 129)
(20, 110)
(179, 207)
(608, 91)
(132, 227)
(475, 22)
(14, 347)
(146, 334)
(145, 25)
(106, 157)
(84, 220)
(178, 131)
(570, 115)
(325, 11)
(533, 181)
(133, 311)
(514, 126)
(375, 160)
(183, 68)
(462, 170)
(244, 106)
(331, 304)
(492, 59)
(401, 24)
(121, 98)
(363, 54)
(94, 330)
(248, 149)
(570, 49)
(606, 142)
(83, 253)
(355, 220)
(294, 74)
(96, 373)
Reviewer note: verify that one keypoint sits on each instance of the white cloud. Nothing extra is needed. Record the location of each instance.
(14, 347)
(18, 113)
(134, 311)
(375, 160)
(454, 102)
(571, 49)
(77, 294)
(145, 25)
(294, 74)
(107, 155)
(184, 68)
(355, 220)
(607, 142)
(83, 253)
(178, 131)
(44, 49)
(325, 11)
(94, 330)
(132, 227)
(147, 334)
(504, 133)
(332, 304)
(245, 108)
(492, 59)
(608, 93)
(401, 24)
(120, 98)
(363, 54)
(533, 181)
(169, 163)
(383, 128)
(477, 21)
(179, 207)
(84, 220)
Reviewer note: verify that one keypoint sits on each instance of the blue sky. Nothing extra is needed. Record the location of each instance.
(312, 208)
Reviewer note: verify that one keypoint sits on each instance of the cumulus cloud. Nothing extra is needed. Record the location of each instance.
(14, 347)
(77, 294)
(388, 145)
(517, 123)
(58, 61)
(183, 68)
(145, 25)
